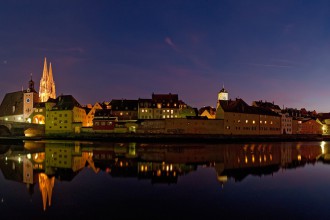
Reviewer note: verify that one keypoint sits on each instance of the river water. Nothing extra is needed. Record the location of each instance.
(104, 180)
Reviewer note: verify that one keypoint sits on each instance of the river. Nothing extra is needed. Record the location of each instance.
(129, 180)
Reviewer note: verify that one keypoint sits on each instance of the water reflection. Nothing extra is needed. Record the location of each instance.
(41, 163)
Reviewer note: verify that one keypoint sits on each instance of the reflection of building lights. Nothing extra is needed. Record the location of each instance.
(159, 172)
(246, 159)
(260, 159)
(253, 158)
(322, 146)
(299, 157)
(271, 157)
(167, 168)
(265, 158)
(142, 168)
(121, 163)
(171, 167)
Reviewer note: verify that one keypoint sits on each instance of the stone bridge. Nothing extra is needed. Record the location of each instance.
(10, 128)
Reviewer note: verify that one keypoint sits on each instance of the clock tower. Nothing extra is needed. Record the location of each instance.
(30, 97)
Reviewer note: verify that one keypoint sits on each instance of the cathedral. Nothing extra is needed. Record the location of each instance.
(47, 84)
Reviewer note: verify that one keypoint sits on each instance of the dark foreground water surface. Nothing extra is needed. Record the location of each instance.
(71, 180)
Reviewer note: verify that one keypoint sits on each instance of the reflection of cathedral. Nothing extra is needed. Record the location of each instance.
(46, 185)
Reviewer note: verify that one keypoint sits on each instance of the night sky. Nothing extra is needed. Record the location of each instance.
(101, 50)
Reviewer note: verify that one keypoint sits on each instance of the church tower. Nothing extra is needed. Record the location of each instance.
(30, 97)
(47, 84)
(222, 95)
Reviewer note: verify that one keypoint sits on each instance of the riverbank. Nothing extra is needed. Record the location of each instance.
(186, 138)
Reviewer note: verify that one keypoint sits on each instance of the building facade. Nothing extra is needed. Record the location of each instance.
(66, 115)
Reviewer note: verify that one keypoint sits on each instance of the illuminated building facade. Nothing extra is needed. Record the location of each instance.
(65, 115)
(47, 84)
(162, 106)
(242, 119)
(90, 113)
(124, 109)
(17, 106)
(208, 112)
(104, 120)
(286, 124)
(311, 126)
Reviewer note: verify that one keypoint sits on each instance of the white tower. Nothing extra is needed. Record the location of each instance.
(223, 94)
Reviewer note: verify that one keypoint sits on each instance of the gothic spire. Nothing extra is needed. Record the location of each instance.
(50, 73)
(45, 72)
(31, 83)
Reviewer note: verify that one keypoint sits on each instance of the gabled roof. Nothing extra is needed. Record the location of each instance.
(124, 105)
(165, 97)
(240, 106)
(66, 102)
(267, 105)
(210, 109)
(10, 100)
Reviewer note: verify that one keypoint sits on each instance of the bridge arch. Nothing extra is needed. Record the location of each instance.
(4, 130)
(38, 119)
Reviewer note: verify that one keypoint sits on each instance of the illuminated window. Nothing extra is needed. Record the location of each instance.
(260, 122)
(265, 122)
(239, 121)
(253, 122)
(271, 122)
(171, 111)
(168, 110)
(142, 110)
(246, 121)
(159, 105)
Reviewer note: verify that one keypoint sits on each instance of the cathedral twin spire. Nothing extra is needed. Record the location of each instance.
(47, 84)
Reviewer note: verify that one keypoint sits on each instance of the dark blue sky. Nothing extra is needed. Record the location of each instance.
(101, 50)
